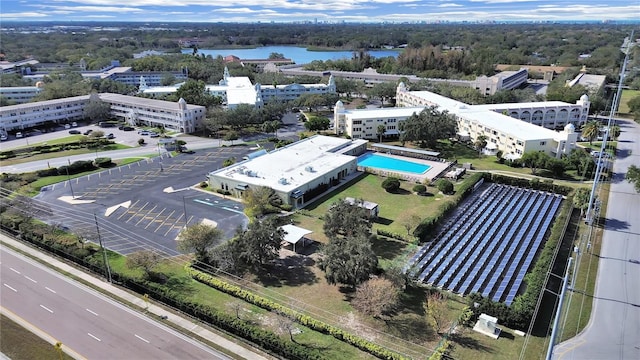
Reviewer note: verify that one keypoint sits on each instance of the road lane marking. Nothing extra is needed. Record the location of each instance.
(46, 308)
(30, 279)
(14, 290)
(141, 338)
(155, 218)
(53, 291)
(14, 270)
(93, 336)
(93, 312)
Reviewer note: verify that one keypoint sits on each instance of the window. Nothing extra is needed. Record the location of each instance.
(543, 143)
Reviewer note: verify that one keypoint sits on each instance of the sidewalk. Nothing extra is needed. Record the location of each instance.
(118, 293)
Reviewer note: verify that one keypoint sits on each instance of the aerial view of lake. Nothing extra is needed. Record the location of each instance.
(299, 55)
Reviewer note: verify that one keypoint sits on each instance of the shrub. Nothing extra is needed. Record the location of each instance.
(223, 192)
(204, 184)
(445, 186)
(141, 141)
(103, 162)
(48, 172)
(391, 184)
(420, 189)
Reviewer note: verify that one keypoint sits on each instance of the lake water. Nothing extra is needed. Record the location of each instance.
(299, 55)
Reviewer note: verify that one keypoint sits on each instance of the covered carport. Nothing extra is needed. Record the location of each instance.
(294, 235)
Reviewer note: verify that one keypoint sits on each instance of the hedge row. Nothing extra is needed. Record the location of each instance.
(392, 235)
(75, 167)
(536, 184)
(302, 319)
(90, 258)
(429, 224)
(440, 351)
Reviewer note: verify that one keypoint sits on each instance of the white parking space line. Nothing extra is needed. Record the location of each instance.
(141, 338)
(145, 215)
(53, 291)
(93, 336)
(30, 279)
(165, 220)
(93, 312)
(46, 308)
(10, 288)
(14, 270)
(154, 219)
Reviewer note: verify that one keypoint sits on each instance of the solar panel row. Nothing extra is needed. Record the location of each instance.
(488, 244)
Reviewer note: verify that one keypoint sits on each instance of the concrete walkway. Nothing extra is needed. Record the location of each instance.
(137, 300)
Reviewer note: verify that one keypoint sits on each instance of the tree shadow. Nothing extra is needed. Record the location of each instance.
(412, 300)
(180, 284)
(387, 248)
(410, 327)
(471, 343)
(292, 270)
(612, 224)
(383, 221)
(401, 191)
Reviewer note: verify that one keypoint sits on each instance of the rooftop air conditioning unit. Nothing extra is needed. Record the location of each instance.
(282, 181)
(309, 168)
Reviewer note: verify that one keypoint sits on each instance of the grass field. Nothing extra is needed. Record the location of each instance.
(18, 343)
(60, 154)
(627, 95)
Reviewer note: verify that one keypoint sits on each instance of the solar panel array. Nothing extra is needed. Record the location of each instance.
(488, 244)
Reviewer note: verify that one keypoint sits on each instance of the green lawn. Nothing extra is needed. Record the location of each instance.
(627, 95)
(61, 154)
(18, 343)
(395, 208)
(473, 345)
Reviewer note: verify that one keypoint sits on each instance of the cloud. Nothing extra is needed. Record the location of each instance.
(448, 5)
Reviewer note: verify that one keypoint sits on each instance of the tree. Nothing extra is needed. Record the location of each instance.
(231, 136)
(143, 259)
(261, 200)
(317, 123)
(581, 200)
(427, 127)
(376, 297)
(348, 260)
(96, 134)
(445, 186)
(199, 239)
(260, 243)
(271, 127)
(633, 176)
(556, 166)
(590, 130)
(194, 92)
(419, 189)
(380, 131)
(96, 109)
(391, 184)
(535, 160)
(411, 222)
(634, 107)
(346, 219)
(436, 310)
(480, 143)
(615, 132)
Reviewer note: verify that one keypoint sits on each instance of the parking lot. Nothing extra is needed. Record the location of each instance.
(146, 204)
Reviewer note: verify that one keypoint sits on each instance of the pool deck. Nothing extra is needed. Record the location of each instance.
(436, 168)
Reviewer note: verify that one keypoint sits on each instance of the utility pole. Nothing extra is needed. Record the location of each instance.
(556, 321)
(104, 251)
(69, 180)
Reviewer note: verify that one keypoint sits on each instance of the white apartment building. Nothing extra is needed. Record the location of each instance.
(513, 135)
(177, 116)
(293, 91)
(20, 94)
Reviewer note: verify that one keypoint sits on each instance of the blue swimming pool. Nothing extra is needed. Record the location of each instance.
(373, 160)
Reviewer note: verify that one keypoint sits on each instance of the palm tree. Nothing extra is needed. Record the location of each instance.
(381, 130)
(480, 143)
(590, 130)
(614, 132)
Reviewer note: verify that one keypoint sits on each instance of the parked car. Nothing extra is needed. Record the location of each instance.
(3, 137)
(127, 128)
(74, 132)
(110, 136)
(67, 126)
(87, 132)
(74, 124)
(143, 132)
(154, 134)
(19, 135)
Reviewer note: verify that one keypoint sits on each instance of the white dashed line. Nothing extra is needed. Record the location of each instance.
(46, 308)
(93, 336)
(14, 290)
(141, 338)
(53, 291)
(30, 279)
(94, 313)
(14, 270)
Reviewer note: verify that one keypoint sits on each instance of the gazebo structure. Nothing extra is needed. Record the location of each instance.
(294, 234)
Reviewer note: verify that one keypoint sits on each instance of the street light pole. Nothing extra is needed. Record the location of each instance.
(104, 251)
(69, 180)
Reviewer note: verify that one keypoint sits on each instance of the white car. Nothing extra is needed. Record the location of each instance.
(74, 124)
(18, 135)
(67, 126)
(3, 137)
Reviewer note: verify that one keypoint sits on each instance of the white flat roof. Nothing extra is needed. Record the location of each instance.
(444, 103)
(139, 101)
(240, 91)
(508, 125)
(522, 105)
(293, 233)
(383, 112)
(291, 164)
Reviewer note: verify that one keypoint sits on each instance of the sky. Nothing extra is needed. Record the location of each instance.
(318, 10)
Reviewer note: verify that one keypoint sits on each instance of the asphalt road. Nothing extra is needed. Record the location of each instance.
(87, 322)
(613, 331)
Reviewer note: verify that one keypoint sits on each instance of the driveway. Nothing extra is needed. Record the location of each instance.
(613, 331)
